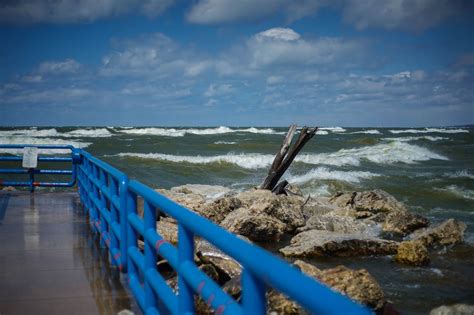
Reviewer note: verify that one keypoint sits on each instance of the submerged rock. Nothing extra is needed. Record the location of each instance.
(450, 232)
(402, 223)
(368, 203)
(412, 253)
(358, 285)
(324, 243)
(257, 226)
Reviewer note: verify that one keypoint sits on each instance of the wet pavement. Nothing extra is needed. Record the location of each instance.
(51, 262)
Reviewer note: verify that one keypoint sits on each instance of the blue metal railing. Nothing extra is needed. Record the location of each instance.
(110, 200)
(31, 172)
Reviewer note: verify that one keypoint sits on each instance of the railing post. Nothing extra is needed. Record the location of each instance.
(123, 212)
(149, 217)
(131, 200)
(253, 294)
(185, 253)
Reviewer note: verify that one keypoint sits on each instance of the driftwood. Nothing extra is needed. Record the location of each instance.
(285, 156)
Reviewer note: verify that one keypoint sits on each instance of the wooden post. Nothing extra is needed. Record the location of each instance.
(285, 155)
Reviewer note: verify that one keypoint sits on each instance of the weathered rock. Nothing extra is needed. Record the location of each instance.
(456, 309)
(218, 209)
(403, 223)
(8, 188)
(358, 285)
(339, 224)
(281, 305)
(189, 200)
(450, 232)
(323, 243)
(317, 206)
(368, 202)
(225, 266)
(412, 253)
(209, 192)
(257, 226)
(168, 230)
(286, 209)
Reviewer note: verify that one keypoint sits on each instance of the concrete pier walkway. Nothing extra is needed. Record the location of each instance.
(50, 262)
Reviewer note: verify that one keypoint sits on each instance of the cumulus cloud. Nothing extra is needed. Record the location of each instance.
(224, 11)
(416, 15)
(220, 89)
(73, 11)
(67, 66)
(283, 46)
(411, 15)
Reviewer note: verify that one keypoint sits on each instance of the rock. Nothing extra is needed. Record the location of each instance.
(368, 202)
(456, 309)
(317, 206)
(280, 304)
(225, 266)
(168, 230)
(450, 232)
(8, 188)
(412, 253)
(339, 224)
(255, 225)
(286, 209)
(402, 223)
(189, 200)
(209, 192)
(292, 189)
(323, 243)
(358, 285)
(218, 209)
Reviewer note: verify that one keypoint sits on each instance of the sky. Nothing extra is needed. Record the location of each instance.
(236, 62)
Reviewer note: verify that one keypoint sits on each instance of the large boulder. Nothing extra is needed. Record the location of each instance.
(218, 209)
(323, 243)
(358, 285)
(286, 209)
(209, 192)
(368, 203)
(225, 266)
(168, 229)
(412, 253)
(340, 224)
(317, 206)
(256, 225)
(403, 223)
(187, 199)
(456, 309)
(450, 232)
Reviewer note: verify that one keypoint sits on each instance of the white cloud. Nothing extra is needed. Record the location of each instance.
(412, 15)
(73, 11)
(283, 46)
(224, 11)
(67, 66)
(32, 78)
(274, 79)
(221, 89)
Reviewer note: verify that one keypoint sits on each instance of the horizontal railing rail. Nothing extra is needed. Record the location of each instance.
(31, 172)
(110, 201)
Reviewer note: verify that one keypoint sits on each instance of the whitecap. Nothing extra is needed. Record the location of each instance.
(39, 141)
(323, 173)
(408, 139)
(458, 191)
(225, 142)
(174, 132)
(368, 132)
(460, 174)
(430, 130)
(333, 129)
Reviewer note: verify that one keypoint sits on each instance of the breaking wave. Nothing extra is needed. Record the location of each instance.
(323, 173)
(367, 132)
(385, 153)
(458, 191)
(173, 132)
(430, 130)
(225, 142)
(407, 139)
(333, 129)
(460, 174)
(39, 141)
(77, 133)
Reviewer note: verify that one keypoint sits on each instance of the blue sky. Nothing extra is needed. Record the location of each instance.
(237, 63)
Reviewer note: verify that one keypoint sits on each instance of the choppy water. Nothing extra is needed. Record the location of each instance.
(430, 169)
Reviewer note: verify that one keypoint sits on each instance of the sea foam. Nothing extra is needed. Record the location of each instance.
(174, 132)
(384, 153)
(430, 130)
(323, 173)
(39, 141)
